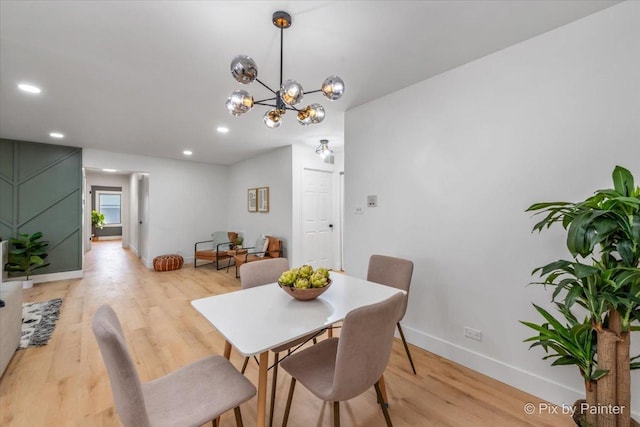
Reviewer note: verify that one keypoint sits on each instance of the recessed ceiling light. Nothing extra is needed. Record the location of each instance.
(222, 129)
(56, 135)
(29, 88)
(187, 152)
(109, 170)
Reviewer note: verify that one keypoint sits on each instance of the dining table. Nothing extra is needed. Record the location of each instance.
(255, 320)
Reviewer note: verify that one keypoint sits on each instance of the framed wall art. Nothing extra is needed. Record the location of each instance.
(252, 205)
(263, 199)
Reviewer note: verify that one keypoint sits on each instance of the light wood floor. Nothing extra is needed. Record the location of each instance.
(65, 384)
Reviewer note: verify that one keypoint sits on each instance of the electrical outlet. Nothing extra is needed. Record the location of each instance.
(359, 211)
(372, 201)
(178, 252)
(474, 334)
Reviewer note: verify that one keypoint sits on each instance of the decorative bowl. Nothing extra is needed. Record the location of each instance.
(303, 294)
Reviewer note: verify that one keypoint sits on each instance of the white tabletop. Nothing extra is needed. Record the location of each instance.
(257, 319)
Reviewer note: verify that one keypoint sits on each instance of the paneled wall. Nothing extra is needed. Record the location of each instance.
(41, 190)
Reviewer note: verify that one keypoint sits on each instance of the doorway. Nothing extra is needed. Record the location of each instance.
(317, 226)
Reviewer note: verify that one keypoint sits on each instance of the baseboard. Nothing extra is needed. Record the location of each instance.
(108, 238)
(51, 277)
(528, 382)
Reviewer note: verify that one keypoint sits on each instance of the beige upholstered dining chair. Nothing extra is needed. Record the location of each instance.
(261, 273)
(190, 396)
(395, 272)
(338, 369)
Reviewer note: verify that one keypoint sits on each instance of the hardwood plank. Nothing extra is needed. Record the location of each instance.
(65, 383)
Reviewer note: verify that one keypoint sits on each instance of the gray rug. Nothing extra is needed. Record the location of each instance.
(38, 322)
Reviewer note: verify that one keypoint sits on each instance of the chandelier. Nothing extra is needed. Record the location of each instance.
(289, 93)
(323, 149)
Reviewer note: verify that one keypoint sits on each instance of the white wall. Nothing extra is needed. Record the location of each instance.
(187, 200)
(273, 170)
(456, 159)
(108, 180)
(305, 157)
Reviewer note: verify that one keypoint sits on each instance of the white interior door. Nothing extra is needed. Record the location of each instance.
(316, 222)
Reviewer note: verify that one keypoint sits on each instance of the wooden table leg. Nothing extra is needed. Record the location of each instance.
(330, 331)
(262, 389)
(227, 350)
(383, 390)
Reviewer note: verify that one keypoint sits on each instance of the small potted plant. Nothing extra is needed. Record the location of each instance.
(28, 254)
(237, 244)
(97, 221)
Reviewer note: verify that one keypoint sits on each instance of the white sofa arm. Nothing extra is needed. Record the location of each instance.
(10, 321)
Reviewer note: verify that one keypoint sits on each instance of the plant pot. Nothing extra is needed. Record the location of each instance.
(27, 284)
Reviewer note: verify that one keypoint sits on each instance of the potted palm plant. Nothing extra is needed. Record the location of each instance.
(28, 254)
(603, 278)
(97, 221)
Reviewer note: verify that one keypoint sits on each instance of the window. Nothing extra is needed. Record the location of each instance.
(109, 204)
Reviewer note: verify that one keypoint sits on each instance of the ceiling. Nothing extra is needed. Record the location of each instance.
(151, 77)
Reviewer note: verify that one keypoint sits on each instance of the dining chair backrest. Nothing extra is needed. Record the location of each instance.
(391, 271)
(364, 347)
(125, 382)
(262, 272)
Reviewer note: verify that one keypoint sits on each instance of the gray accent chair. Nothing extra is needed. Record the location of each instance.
(191, 396)
(338, 369)
(394, 272)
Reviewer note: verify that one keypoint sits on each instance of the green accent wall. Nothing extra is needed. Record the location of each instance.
(41, 190)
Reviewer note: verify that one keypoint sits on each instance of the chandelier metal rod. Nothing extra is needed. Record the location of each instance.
(265, 103)
(270, 90)
(266, 99)
(281, 52)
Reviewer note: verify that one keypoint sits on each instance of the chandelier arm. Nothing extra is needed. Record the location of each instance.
(266, 104)
(312, 91)
(270, 90)
(266, 99)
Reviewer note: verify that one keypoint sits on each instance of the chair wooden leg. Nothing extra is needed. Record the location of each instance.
(406, 348)
(244, 365)
(383, 405)
(336, 414)
(274, 381)
(292, 387)
(238, 415)
(214, 422)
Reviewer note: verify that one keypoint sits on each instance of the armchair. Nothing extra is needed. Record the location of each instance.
(215, 249)
(272, 249)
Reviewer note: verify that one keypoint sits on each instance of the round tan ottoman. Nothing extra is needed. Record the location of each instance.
(167, 262)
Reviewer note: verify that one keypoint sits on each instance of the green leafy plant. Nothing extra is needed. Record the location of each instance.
(603, 237)
(97, 219)
(28, 253)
